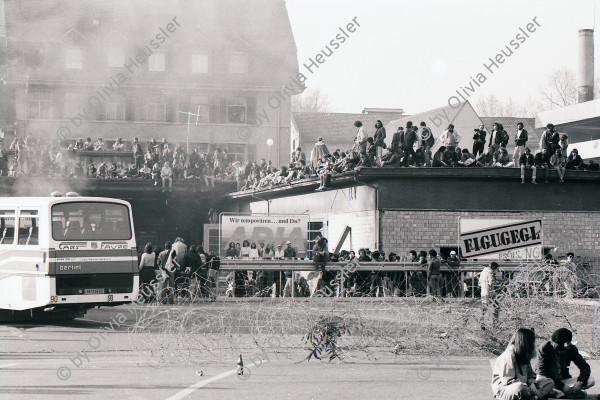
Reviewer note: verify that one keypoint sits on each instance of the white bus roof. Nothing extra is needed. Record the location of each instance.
(44, 201)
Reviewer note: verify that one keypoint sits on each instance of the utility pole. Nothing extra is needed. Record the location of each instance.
(189, 114)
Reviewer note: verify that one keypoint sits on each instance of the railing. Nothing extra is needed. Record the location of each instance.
(530, 275)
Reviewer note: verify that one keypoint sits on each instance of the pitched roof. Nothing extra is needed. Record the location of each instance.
(427, 117)
(337, 127)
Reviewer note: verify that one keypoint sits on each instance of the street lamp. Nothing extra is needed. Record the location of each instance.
(269, 143)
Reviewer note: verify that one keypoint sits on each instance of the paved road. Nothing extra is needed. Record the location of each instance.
(99, 364)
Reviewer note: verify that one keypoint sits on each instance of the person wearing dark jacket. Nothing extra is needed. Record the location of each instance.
(397, 139)
(378, 140)
(433, 274)
(574, 161)
(214, 264)
(520, 143)
(527, 161)
(498, 137)
(409, 142)
(479, 140)
(192, 264)
(554, 358)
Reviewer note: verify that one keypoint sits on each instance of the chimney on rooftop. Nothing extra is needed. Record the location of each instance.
(585, 76)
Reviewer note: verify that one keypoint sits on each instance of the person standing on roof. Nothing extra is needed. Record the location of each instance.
(318, 152)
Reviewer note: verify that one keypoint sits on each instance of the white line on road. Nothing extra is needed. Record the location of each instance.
(204, 382)
(8, 365)
(198, 385)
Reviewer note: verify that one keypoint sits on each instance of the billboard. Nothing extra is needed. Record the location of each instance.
(500, 238)
(267, 229)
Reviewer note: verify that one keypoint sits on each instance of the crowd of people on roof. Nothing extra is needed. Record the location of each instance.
(413, 146)
(410, 146)
(161, 162)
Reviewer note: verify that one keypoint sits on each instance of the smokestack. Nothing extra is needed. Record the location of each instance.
(585, 78)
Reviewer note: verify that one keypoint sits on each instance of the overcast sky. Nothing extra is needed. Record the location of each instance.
(415, 54)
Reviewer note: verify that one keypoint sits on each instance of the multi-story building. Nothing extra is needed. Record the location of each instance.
(110, 69)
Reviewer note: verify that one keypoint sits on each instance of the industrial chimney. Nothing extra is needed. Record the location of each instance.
(585, 78)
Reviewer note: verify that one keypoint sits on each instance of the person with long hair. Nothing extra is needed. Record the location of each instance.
(231, 251)
(245, 251)
(513, 378)
(147, 271)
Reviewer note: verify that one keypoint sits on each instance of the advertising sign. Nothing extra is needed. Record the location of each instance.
(500, 239)
(267, 229)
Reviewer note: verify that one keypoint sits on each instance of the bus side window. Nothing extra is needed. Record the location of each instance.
(28, 230)
(7, 230)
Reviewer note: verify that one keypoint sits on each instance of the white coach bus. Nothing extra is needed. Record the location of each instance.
(60, 256)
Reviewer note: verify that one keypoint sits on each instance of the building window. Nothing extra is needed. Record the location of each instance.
(116, 57)
(238, 63)
(74, 58)
(236, 110)
(116, 107)
(199, 105)
(200, 63)
(39, 104)
(156, 62)
(72, 104)
(157, 108)
(237, 152)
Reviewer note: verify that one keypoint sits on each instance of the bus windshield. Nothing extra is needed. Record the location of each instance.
(90, 221)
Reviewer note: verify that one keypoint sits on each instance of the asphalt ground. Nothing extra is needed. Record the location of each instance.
(73, 360)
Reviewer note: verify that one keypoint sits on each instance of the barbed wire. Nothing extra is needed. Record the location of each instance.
(197, 331)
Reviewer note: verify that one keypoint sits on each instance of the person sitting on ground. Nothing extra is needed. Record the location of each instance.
(466, 159)
(486, 159)
(102, 171)
(79, 144)
(438, 158)
(542, 159)
(371, 150)
(118, 145)
(351, 162)
(88, 145)
(512, 377)
(558, 163)
(91, 170)
(555, 357)
(392, 158)
(112, 171)
(574, 161)
(503, 159)
(527, 161)
(325, 174)
(418, 159)
(99, 145)
(450, 158)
